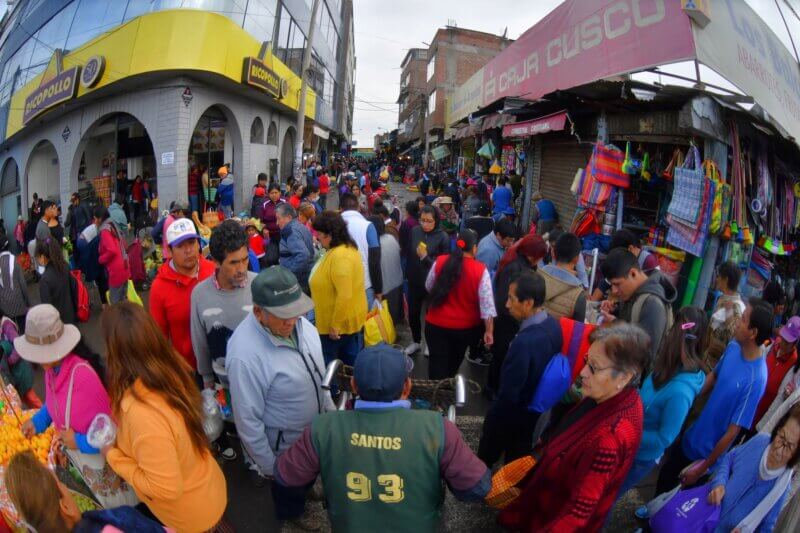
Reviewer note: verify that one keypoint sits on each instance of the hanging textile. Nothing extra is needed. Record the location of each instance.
(687, 196)
(692, 239)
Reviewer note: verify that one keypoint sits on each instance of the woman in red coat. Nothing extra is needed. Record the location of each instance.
(585, 457)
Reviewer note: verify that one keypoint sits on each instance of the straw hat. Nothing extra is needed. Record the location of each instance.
(47, 339)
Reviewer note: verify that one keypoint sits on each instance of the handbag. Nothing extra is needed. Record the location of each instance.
(507, 480)
(379, 326)
(107, 486)
(687, 510)
(593, 193)
(131, 294)
(607, 166)
(687, 196)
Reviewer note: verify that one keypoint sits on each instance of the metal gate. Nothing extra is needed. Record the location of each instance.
(561, 158)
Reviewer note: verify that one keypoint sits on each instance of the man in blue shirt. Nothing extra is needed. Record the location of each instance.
(492, 247)
(502, 198)
(736, 385)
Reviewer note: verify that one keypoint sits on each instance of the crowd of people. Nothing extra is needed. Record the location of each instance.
(284, 287)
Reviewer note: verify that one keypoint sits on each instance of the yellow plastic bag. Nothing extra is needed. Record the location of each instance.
(132, 295)
(379, 326)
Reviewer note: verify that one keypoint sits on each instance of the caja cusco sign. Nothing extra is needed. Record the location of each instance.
(60, 88)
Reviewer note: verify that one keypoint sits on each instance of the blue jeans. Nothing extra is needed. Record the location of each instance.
(370, 297)
(345, 348)
(639, 470)
(194, 202)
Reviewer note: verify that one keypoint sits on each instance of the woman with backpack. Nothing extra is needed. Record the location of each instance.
(56, 287)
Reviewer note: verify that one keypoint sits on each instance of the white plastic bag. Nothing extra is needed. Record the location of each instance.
(102, 432)
(212, 416)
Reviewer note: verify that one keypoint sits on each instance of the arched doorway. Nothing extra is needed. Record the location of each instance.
(287, 155)
(10, 196)
(114, 151)
(42, 173)
(210, 148)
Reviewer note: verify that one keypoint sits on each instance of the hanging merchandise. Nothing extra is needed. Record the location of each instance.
(495, 168)
(630, 165)
(721, 194)
(607, 165)
(687, 197)
(692, 238)
(739, 223)
(592, 193)
(646, 167)
(487, 150)
(508, 157)
(675, 162)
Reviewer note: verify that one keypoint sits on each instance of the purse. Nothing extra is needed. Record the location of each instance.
(107, 486)
(507, 480)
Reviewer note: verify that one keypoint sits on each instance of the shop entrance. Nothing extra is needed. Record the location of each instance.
(118, 143)
(42, 174)
(287, 155)
(10, 197)
(208, 151)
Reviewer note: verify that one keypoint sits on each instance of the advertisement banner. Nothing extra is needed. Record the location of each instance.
(740, 46)
(554, 122)
(580, 42)
(466, 99)
(60, 88)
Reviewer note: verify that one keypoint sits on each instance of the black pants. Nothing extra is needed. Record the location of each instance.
(416, 299)
(394, 298)
(290, 502)
(447, 348)
(511, 437)
(505, 328)
(670, 472)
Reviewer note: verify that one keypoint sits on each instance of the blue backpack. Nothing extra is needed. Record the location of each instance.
(554, 383)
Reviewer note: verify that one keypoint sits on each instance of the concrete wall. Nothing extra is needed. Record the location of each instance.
(169, 124)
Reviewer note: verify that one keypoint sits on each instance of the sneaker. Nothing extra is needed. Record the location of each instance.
(483, 358)
(642, 513)
(412, 348)
(229, 454)
(306, 522)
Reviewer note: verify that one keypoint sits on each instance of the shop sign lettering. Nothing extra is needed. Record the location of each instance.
(59, 89)
(256, 74)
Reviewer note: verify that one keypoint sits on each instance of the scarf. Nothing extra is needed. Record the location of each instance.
(764, 472)
(783, 477)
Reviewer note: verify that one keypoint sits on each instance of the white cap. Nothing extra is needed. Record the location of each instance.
(180, 230)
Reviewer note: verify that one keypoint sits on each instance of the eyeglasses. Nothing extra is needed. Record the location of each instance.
(593, 369)
(782, 442)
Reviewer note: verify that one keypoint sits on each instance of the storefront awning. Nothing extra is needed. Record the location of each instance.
(554, 122)
(497, 120)
(321, 133)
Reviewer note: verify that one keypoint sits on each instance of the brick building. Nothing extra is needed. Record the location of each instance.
(412, 98)
(454, 55)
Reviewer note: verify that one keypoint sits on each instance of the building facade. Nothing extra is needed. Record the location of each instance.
(454, 55)
(412, 98)
(157, 88)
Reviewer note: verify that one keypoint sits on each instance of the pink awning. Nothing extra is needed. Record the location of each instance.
(554, 122)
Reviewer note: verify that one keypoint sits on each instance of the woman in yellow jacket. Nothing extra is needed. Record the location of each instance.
(161, 449)
(337, 288)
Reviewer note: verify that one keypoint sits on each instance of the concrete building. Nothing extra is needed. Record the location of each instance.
(412, 98)
(454, 55)
(92, 87)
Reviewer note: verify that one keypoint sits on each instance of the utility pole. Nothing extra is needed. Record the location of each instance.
(301, 107)
(425, 128)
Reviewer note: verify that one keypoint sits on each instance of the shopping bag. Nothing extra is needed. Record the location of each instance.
(379, 326)
(132, 295)
(505, 482)
(607, 166)
(687, 510)
(687, 196)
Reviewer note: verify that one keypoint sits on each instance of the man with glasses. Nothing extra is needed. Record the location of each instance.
(509, 426)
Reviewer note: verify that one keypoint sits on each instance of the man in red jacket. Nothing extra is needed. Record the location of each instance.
(170, 294)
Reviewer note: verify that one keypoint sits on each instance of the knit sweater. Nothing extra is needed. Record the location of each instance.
(170, 302)
(214, 315)
(737, 471)
(89, 398)
(185, 489)
(337, 288)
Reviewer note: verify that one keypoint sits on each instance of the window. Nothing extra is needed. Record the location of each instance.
(92, 18)
(257, 131)
(233, 9)
(404, 81)
(296, 48)
(272, 134)
(432, 102)
(52, 35)
(402, 105)
(260, 19)
(431, 66)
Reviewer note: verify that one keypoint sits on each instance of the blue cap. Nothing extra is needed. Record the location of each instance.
(380, 373)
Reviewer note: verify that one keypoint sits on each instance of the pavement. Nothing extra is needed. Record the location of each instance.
(250, 509)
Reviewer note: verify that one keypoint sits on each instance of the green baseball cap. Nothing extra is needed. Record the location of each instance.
(276, 289)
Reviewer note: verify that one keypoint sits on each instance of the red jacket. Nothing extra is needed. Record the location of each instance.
(324, 184)
(110, 256)
(461, 308)
(170, 299)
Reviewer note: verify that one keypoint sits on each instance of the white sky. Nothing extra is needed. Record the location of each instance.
(385, 30)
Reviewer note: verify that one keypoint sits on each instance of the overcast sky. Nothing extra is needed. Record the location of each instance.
(384, 31)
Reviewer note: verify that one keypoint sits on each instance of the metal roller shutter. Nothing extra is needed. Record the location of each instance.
(561, 158)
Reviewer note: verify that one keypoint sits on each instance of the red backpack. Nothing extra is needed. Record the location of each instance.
(82, 306)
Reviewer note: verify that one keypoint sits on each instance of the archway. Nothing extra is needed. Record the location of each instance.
(272, 134)
(287, 154)
(216, 141)
(42, 173)
(113, 152)
(257, 131)
(10, 196)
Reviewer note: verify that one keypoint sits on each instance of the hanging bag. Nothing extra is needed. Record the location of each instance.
(607, 166)
(712, 173)
(106, 485)
(687, 196)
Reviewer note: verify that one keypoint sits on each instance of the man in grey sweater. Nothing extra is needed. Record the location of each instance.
(221, 302)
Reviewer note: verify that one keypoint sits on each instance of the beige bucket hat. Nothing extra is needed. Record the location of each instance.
(47, 339)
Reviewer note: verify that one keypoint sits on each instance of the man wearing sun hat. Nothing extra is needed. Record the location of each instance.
(170, 294)
(781, 358)
(275, 370)
(383, 463)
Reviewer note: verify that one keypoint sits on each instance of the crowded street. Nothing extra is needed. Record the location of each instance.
(352, 266)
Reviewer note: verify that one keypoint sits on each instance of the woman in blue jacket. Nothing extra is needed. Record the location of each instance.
(669, 391)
